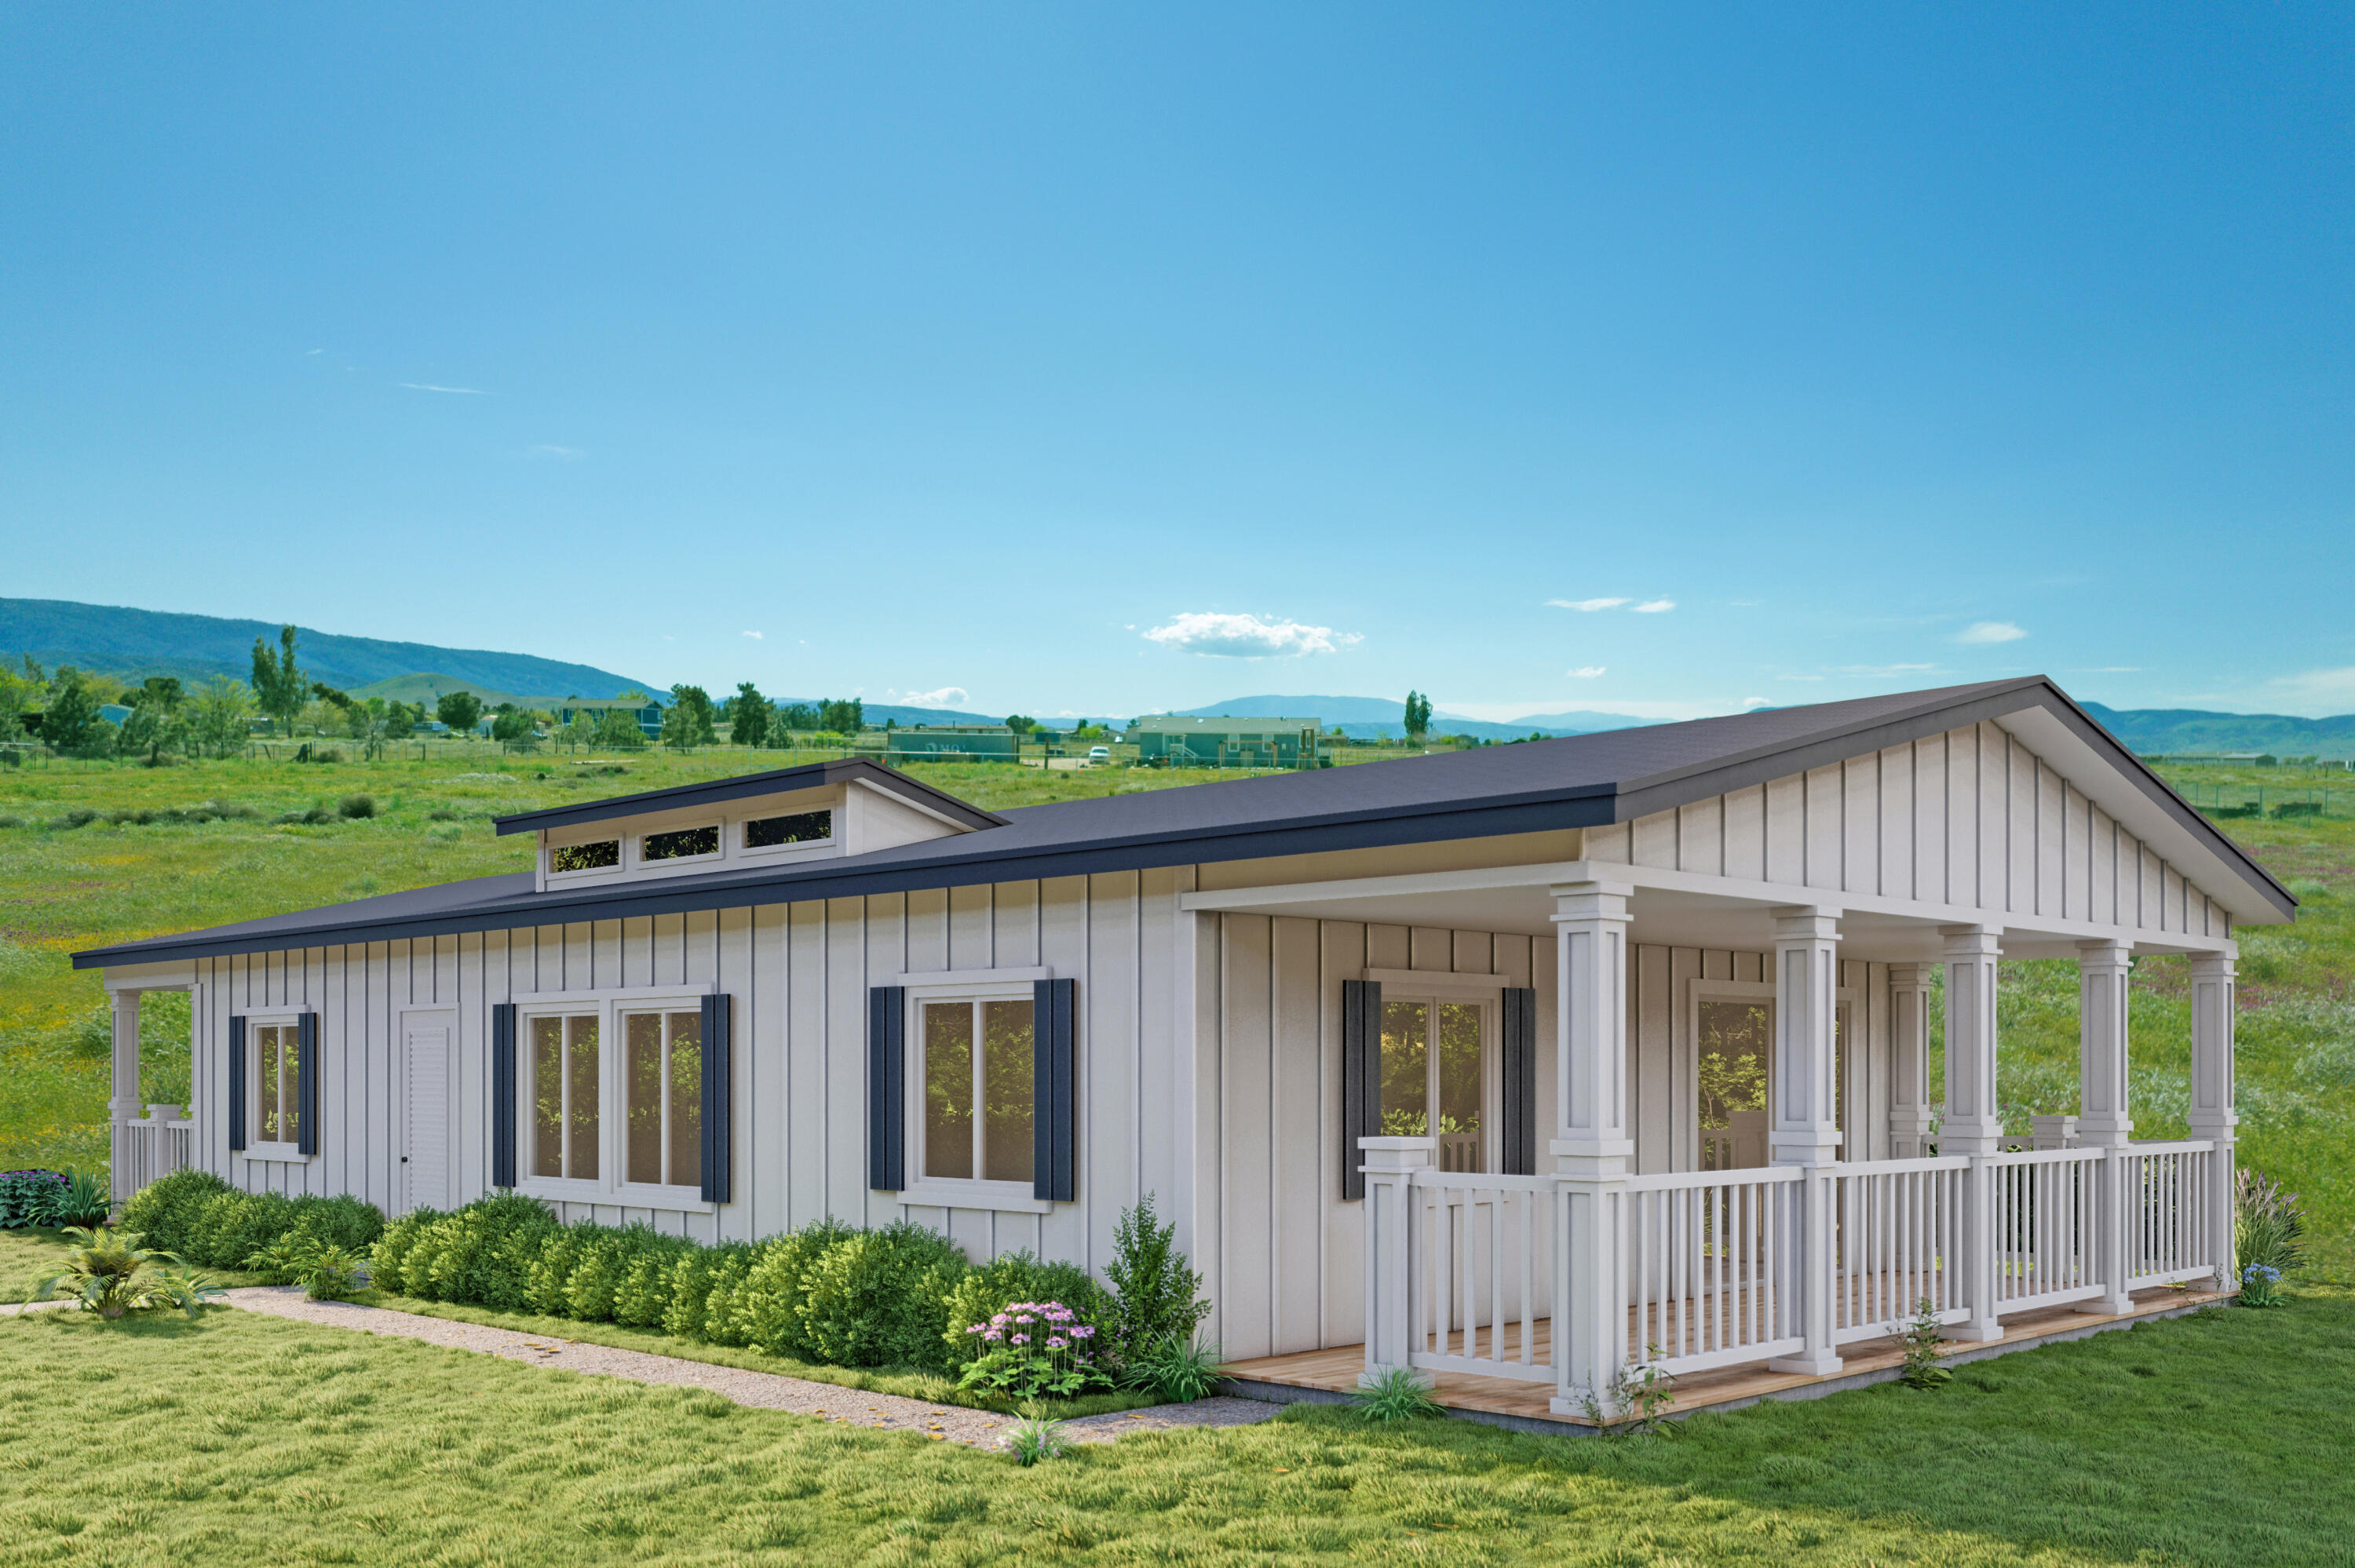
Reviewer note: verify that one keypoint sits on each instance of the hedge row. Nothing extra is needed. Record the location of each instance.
(211, 1224)
(899, 1295)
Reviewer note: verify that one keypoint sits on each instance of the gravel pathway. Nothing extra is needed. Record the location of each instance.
(766, 1391)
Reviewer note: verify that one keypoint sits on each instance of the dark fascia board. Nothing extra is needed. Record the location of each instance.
(776, 781)
(966, 861)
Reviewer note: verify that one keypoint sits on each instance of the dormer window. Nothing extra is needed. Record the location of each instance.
(801, 828)
(680, 844)
(604, 854)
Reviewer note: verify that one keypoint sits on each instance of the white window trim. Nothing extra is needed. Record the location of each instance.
(960, 985)
(635, 853)
(1416, 985)
(609, 1186)
(1492, 1050)
(278, 1151)
(812, 848)
(1698, 991)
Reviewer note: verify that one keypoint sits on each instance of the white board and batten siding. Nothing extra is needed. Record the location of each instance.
(1284, 1254)
(799, 974)
(1971, 817)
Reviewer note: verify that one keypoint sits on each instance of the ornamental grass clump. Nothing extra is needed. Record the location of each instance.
(1175, 1370)
(2268, 1224)
(1034, 1350)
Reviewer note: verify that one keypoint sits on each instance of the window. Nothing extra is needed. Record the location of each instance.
(977, 1090)
(1736, 1042)
(681, 843)
(277, 1078)
(564, 1096)
(603, 855)
(663, 1071)
(802, 827)
(1431, 1085)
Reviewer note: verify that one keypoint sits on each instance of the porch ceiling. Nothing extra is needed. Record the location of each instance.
(1520, 901)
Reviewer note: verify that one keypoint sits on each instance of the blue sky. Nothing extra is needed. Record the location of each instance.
(1110, 358)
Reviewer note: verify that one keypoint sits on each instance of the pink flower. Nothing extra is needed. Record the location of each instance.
(1021, 1339)
(1055, 1342)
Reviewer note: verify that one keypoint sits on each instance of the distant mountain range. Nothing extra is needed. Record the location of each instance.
(1371, 718)
(2156, 730)
(136, 643)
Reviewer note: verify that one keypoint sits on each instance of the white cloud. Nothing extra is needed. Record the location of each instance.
(1584, 672)
(309, 352)
(1990, 631)
(753, 635)
(545, 449)
(1589, 605)
(1247, 636)
(1750, 703)
(428, 387)
(1654, 607)
(946, 697)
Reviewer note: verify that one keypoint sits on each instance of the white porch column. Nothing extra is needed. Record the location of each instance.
(124, 1105)
(1805, 1129)
(1973, 1126)
(1390, 1164)
(1908, 1061)
(1592, 1144)
(2102, 1119)
(2212, 1115)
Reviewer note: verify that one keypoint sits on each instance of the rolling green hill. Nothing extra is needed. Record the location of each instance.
(136, 643)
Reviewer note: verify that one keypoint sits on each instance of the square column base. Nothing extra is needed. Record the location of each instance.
(1811, 1363)
(2113, 1306)
(1978, 1330)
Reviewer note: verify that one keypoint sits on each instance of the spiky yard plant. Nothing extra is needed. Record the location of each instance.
(1395, 1394)
(108, 1272)
(1176, 1369)
(1035, 1438)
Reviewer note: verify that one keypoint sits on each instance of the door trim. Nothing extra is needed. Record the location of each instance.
(401, 1140)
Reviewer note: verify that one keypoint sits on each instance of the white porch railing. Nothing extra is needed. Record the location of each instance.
(2043, 1227)
(2166, 1231)
(1482, 1251)
(1717, 1268)
(1900, 1228)
(1710, 1255)
(148, 1148)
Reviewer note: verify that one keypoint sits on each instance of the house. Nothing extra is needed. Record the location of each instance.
(645, 710)
(1512, 1066)
(952, 743)
(1170, 741)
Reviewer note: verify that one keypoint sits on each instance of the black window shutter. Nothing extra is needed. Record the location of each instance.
(1520, 1082)
(237, 1081)
(1055, 1091)
(718, 1146)
(1361, 1078)
(887, 1087)
(307, 1082)
(503, 1093)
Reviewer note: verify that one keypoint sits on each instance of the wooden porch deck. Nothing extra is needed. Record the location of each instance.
(1335, 1371)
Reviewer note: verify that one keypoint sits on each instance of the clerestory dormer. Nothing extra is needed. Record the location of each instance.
(785, 817)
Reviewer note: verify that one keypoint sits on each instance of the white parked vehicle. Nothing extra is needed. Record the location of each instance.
(1099, 754)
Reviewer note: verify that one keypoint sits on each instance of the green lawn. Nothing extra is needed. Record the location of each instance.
(2216, 1438)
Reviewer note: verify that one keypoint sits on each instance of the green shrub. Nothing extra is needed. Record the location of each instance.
(724, 1313)
(393, 1248)
(550, 1272)
(2269, 1223)
(880, 1297)
(353, 808)
(31, 1198)
(603, 1264)
(773, 1293)
(480, 1254)
(1017, 1277)
(689, 1290)
(232, 1226)
(165, 1210)
(1157, 1303)
(643, 1299)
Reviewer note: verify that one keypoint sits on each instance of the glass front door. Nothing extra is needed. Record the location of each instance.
(1737, 1042)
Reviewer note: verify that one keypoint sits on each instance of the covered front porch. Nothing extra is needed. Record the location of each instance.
(1766, 1261)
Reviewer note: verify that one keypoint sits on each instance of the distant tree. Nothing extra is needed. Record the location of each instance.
(1418, 716)
(20, 695)
(216, 716)
(618, 730)
(749, 715)
(1019, 724)
(798, 716)
(689, 721)
(402, 719)
(462, 711)
(514, 726)
(164, 691)
(280, 689)
(70, 724)
(843, 717)
(152, 729)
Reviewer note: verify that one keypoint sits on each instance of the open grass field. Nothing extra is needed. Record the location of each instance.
(2210, 1439)
(63, 887)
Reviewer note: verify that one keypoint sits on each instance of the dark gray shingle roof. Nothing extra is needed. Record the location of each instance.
(1586, 781)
